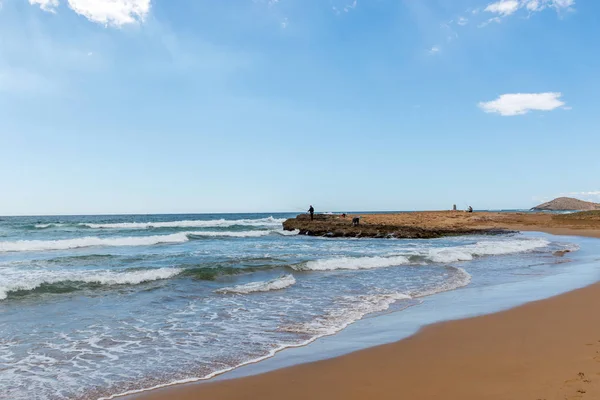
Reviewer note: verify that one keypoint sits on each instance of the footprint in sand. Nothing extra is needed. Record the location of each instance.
(578, 381)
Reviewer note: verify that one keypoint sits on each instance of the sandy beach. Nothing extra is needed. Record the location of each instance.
(548, 349)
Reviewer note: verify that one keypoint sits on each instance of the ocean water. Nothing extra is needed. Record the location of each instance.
(96, 306)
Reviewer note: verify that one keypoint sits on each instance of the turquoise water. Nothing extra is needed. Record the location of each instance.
(96, 306)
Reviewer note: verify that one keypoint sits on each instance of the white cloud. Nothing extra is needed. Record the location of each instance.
(534, 5)
(462, 21)
(351, 6)
(562, 3)
(112, 12)
(522, 103)
(503, 7)
(434, 50)
(108, 12)
(489, 21)
(284, 23)
(46, 5)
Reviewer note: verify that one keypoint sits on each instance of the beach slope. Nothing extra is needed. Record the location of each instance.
(543, 350)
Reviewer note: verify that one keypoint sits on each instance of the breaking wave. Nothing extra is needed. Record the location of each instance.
(491, 248)
(275, 284)
(352, 309)
(44, 226)
(242, 234)
(68, 281)
(92, 241)
(351, 263)
(443, 255)
(461, 278)
(218, 223)
(65, 244)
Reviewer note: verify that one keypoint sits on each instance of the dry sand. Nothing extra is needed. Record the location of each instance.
(570, 224)
(543, 350)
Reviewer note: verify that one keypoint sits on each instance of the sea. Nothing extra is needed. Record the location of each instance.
(94, 307)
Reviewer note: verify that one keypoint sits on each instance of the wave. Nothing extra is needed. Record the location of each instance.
(21, 282)
(242, 234)
(350, 310)
(44, 226)
(487, 248)
(275, 284)
(217, 223)
(66, 244)
(443, 255)
(212, 273)
(461, 278)
(67, 281)
(92, 241)
(352, 263)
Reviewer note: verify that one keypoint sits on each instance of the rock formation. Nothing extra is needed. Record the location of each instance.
(337, 226)
(567, 204)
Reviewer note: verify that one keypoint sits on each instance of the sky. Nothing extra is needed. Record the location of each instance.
(164, 106)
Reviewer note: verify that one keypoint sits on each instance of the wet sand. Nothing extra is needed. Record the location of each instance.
(548, 350)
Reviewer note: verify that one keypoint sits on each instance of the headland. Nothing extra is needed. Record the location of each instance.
(435, 224)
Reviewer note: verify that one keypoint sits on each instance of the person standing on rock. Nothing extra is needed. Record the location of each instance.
(311, 210)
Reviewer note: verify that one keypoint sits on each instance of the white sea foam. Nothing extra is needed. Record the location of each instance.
(350, 310)
(276, 284)
(217, 223)
(352, 263)
(369, 304)
(20, 280)
(486, 248)
(461, 279)
(92, 241)
(65, 244)
(439, 255)
(242, 234)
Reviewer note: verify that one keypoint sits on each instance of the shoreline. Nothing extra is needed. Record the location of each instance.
(361, 363)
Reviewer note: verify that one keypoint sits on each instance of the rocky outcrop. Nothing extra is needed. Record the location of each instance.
(337, 226)
(567, 204)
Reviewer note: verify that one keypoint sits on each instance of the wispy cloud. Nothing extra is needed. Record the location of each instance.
(522, 103)
(46, 5)
(506, 8)
(351, 6)
(503, 7)
(113, 12)
(434, 50)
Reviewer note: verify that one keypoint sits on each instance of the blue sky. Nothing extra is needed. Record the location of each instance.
(148, 106)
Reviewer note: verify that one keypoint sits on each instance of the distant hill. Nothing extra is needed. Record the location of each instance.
(567, 204)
